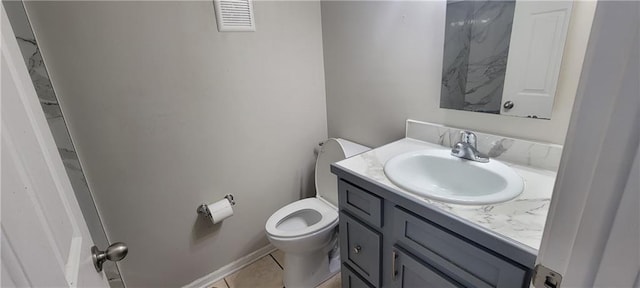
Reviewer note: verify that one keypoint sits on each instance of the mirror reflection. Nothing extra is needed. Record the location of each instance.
(476, 47)
(503, 57)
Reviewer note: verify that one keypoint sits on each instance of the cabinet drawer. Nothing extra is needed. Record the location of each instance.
(411, 273)
(360, 248)
(362, 204)
(351, 279)
(464, 261)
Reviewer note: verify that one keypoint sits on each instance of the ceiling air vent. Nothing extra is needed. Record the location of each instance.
(234, 15)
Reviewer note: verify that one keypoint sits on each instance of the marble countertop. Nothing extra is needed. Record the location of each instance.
(521, 219)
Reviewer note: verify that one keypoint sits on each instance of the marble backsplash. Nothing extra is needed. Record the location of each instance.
(523, 152)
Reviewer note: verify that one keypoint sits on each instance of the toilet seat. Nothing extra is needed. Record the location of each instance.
(305, 230)
(306, 213)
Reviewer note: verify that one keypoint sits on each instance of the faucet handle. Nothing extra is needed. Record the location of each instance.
(469, 137)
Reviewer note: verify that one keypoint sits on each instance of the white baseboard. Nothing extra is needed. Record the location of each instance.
(228, 269)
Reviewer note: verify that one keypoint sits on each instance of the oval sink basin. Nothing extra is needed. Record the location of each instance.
(438, 175)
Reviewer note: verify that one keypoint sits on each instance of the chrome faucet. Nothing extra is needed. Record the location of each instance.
(467, 148)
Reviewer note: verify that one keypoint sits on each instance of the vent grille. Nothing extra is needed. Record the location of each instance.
(234, 15)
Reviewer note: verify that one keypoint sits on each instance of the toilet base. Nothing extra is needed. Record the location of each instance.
(307, 269)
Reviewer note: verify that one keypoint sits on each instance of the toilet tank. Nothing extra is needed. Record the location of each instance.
(331, 151)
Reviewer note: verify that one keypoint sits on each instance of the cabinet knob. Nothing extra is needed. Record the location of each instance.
(357, 249)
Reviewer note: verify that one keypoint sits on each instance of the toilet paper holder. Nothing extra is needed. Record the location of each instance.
(203, 209)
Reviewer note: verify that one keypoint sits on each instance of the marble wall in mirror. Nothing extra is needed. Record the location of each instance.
(475, 54)
(503, 57)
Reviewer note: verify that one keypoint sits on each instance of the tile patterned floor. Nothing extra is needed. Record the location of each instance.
(265, 272)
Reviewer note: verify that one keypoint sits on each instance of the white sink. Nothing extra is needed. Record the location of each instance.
(438, 175)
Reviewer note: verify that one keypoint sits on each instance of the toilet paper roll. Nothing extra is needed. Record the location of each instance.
(220, 210)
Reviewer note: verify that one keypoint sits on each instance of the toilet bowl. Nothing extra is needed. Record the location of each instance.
(305, 230)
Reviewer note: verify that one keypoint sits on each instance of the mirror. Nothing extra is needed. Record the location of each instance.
(503, 57)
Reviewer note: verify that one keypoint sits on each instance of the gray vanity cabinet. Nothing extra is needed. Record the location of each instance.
(388, 240)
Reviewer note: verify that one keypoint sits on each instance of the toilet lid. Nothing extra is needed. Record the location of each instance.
(333, 150)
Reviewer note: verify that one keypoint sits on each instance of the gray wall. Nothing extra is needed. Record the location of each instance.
(166, 113)
(383, 64)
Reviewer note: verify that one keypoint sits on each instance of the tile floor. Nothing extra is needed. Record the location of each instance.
(265, 272)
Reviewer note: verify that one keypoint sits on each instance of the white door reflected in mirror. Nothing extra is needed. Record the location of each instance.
(503, 57)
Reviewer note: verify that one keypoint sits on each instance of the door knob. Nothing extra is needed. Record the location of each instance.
(508, 105)
(116, 252)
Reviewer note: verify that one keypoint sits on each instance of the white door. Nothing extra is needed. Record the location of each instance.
(535, 54)
(592, 235)
(44, 240)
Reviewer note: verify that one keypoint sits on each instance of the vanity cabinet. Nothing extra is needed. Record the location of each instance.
(390, 240)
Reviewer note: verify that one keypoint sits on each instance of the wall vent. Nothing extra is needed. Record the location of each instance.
(234, 15)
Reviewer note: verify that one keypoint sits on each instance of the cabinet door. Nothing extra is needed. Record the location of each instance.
(360, 248)
(351, 279)
(412, 273)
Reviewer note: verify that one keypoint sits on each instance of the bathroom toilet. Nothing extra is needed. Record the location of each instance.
(306, 230)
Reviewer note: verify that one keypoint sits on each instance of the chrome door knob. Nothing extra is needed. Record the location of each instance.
(357, 249)
(116, 252)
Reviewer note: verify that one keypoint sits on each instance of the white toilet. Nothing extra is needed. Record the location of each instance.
(305, 230)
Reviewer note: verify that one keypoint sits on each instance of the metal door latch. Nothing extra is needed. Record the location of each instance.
(544, 277)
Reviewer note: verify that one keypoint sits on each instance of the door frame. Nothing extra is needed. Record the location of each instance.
(602, 143)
